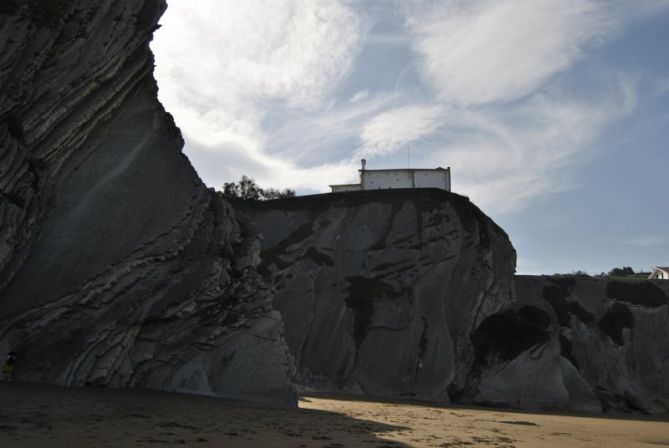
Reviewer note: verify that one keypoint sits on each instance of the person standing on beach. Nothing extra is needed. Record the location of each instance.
(8, 369)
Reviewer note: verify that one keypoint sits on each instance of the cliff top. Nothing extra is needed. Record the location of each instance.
(425, 198)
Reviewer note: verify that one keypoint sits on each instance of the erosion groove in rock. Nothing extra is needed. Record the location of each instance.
(118, 267)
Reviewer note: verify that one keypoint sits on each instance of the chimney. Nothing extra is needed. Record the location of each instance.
(364, 164)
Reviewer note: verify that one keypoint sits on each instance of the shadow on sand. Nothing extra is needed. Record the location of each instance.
(39, 415)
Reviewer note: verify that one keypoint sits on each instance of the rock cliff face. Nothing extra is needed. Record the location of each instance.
(607, 346)
(380, 290)
(118, 267)
(410, 293)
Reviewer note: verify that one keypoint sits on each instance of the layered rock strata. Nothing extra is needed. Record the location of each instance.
(118, 267)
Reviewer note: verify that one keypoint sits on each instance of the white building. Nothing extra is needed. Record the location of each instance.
(659, 273)
(398, 178)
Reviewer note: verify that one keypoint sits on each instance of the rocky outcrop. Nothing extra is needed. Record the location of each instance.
(607, 346)
(118, 267)
(380, 290)
(411, 293)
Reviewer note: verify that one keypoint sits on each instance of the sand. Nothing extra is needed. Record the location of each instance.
(45, 416)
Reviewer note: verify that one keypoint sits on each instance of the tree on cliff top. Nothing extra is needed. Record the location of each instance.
(620, 272)
(248, 189)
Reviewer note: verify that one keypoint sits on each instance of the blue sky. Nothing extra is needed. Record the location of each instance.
(552, 114)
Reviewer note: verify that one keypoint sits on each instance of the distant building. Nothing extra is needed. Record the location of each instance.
(659, 273)
(398, 178)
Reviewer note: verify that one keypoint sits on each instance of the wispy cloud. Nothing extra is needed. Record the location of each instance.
(216, 62)
(391, 129)
(506, 159)
(266, 169)
(276, 90)
(483, 51)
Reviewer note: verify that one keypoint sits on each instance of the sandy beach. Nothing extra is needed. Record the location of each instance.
(35, 415)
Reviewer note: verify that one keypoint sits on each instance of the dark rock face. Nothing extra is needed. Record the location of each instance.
(610, 339)
(118, 267)
(381, 290)
(409, 293)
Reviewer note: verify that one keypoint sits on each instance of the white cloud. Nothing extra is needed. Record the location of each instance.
(328, 134)
(267, 170)
(388, 131)
(217, 62)
(483, 51)
(257, 87)
(359, 96)
(505, 160)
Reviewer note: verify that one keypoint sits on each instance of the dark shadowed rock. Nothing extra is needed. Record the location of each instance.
(409, 293)
(637, 293)
(613, 334)
(118, 267)
(381, 290)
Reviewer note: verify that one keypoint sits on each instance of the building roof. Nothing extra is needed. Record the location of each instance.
(408, 169)
(662, 268)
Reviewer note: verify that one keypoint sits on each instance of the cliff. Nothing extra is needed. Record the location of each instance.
(412, 293)
(118, 267)
(380, 290)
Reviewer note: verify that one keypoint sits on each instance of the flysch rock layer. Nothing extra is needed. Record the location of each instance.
(411, 293)
(118, 267)
(379, 290)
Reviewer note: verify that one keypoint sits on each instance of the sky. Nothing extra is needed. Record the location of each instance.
(552, 114)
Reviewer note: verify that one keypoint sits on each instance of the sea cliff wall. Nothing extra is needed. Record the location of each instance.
(118, 267)
(380, 290)
(411, 293)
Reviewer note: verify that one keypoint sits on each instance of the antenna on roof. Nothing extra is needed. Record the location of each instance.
(408, 157)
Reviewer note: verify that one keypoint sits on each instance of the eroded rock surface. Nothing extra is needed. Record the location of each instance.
(610, 338)
(411, 293)
(118, 267)
(380, 290)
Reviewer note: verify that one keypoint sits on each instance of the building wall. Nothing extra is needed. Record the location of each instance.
(432, 179)
(374, 180)
(346, 187)
(659, 274)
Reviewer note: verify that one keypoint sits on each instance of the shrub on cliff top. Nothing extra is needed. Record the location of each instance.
(247, 189)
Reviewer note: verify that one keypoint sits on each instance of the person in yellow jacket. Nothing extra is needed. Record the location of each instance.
(8, 369)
